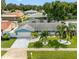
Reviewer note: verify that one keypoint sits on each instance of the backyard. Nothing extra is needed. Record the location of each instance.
(52, 55)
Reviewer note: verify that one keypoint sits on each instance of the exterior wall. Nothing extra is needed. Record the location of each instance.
(23, 35)
(10, 18)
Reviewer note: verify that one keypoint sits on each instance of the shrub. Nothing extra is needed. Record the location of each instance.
(38, 44)
(56, 44)
(5, 37)
(34, 34)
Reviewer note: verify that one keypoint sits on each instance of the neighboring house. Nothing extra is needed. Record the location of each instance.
(7, 26)
(12, 16)
(71, 21)
(35, 16)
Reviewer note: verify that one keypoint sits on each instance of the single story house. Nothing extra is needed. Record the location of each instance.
(12, 16)
(7, 26)
(35, 16)
(25, 30)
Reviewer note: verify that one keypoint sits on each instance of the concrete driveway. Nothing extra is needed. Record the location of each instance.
(20, 43)
(23, 43)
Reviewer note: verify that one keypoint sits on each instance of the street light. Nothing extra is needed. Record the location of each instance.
(31, 55)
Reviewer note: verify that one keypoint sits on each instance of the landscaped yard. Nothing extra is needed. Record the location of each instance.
(73, 42)
(52, 55)
(72, 45)
(7, 43)
(2, 53)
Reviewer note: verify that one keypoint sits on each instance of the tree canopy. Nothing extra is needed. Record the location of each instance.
(55, 10)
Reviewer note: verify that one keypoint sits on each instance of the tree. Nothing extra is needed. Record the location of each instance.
(34, 34)
(60, 10)
(3, 4)
(72, 29)
(43, 37)
(22, 18)
(62, 28)
(5, 37)
(11, 7)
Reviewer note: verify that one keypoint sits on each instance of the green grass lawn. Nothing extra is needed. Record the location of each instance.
(7, 43)
(2, 53)
(73, 42)
(52, 55)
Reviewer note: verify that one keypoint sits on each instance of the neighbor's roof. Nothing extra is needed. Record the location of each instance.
(30, 11)
(5, 24)
(17, 13)
(38, 15)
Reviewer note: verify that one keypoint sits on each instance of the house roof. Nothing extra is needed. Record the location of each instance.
(37, 15)
(23, 30)
(40, 26)
(30, 11)
(44, 26)
(17, 13)
(5, 24)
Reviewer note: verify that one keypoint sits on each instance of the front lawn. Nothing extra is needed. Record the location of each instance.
(2, 53)
(52, 55)
(73, 43)
(7, 43)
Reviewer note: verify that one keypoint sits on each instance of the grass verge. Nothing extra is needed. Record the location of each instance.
(52, 55)
(7, 43)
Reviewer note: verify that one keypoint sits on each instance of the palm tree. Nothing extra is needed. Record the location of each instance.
(43, 37)
(72, 29)
(24, 17)
(62, 30)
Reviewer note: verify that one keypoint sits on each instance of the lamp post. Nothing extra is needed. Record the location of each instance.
(31, 55)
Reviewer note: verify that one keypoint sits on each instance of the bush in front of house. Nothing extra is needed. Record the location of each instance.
(56, 44)
(34, 34)
(5, 37)
(38, 44)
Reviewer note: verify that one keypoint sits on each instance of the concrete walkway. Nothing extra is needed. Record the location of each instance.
(15, 54)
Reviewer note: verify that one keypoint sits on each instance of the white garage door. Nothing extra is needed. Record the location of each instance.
(24, 35)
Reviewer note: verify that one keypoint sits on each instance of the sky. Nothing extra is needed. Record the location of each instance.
(33, 2)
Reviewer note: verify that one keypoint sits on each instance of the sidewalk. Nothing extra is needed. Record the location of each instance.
(18, 53)
(42, 49)
(15, 54)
